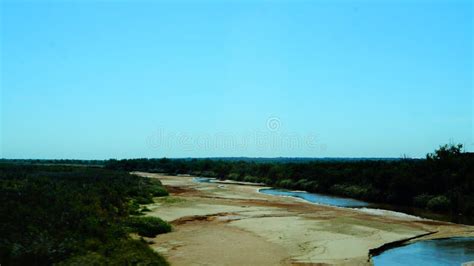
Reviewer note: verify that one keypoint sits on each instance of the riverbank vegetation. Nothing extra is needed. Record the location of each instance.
(442, 182)
(56, 212)
(70, 215)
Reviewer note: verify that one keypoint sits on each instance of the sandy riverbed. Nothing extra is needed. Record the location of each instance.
(216, 224)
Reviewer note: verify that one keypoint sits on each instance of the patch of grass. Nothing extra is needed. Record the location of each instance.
(170, 200)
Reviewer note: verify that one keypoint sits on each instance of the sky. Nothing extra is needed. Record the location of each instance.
(133, 79)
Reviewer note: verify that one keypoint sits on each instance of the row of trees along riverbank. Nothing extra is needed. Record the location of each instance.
(442, 182)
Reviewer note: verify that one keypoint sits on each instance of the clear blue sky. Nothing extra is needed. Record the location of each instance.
(95, 80)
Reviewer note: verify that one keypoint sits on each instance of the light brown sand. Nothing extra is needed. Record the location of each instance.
(228, 224)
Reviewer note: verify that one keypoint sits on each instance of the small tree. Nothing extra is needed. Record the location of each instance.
(446, 152)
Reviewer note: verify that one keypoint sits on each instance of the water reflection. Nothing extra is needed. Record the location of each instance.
(316, 198)
(204, 179)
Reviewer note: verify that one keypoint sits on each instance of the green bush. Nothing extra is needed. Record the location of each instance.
(233, 176)
(91, 258)
(251, 179)
(439, 203)
(144, 200)
(147, 226)
(349, 190)
(145, 209)
(133, 207)
(124, 252)
(307, 185)
(133, 252)
(156, 189)
(422, 200)
(285, 183)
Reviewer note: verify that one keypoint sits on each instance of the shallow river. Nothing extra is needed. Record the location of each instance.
(316, 198)
(450, 251)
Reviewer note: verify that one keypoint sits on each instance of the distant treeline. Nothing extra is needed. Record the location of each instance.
(443, 182)
(76, 216)
(227, 159)
(54, 162)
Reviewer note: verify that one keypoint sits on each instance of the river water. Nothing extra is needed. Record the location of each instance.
(440, 252)
(316, 198)
(204, 179)
(451, 251)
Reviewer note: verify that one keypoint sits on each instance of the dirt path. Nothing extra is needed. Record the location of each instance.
(224, 224)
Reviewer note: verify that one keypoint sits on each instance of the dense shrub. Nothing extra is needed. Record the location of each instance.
(252, 179)
(354, 191)
(148, 226)
(422, 200)
(233, 176)
(305, 184)
(156, 189)
(145, 209)
(439, 203)
(286, 183)
(159, 191)
(90, 258)
(52, 214)
(132, 252)
(124, 252)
